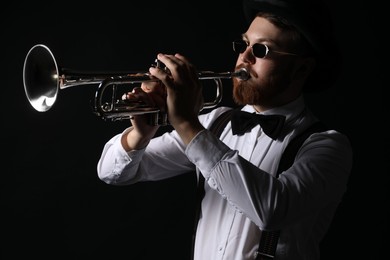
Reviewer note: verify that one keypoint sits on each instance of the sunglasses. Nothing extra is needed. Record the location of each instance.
(259, 50)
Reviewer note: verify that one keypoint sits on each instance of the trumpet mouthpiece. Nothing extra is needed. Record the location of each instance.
(241, 74)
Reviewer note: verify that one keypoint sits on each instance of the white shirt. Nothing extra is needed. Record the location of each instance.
(242, 196)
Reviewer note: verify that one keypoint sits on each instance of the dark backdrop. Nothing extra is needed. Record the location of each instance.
(52, 204)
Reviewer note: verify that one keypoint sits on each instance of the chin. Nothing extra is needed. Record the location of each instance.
(243, 93)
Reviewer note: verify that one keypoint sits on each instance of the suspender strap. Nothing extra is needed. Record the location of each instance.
(220, 122)
(293, 146)
(267, 245)
(269, 239)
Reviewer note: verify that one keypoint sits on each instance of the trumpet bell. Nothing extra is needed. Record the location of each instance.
(41, 78)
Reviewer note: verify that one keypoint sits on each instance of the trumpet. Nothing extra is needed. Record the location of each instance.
(43, 78)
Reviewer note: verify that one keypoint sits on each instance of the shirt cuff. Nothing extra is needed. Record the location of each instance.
(206, 151)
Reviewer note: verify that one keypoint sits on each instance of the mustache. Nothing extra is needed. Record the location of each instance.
(241, 66)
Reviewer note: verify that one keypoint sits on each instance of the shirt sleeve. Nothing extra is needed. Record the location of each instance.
(163, 158)
(318, 177)
(116, 166)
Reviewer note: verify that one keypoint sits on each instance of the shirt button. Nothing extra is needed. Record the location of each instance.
(220, 249)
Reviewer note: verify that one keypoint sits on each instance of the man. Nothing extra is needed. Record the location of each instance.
(287, 49)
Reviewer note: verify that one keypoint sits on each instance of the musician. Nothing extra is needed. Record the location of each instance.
(288, 49)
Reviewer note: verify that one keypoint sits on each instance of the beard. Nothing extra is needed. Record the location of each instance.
(263, 92)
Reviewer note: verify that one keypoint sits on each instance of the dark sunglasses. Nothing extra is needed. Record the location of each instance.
(259, 50)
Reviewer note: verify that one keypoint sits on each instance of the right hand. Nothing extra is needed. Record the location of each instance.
(184, 94)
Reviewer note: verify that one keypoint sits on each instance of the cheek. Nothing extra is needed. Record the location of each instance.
(265, 68)
(276, 73)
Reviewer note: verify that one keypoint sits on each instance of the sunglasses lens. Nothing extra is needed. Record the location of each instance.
(259, 50)
(239, 46)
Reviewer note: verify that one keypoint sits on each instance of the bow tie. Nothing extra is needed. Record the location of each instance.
(242, 122)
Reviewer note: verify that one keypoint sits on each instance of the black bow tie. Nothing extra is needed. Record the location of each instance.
(242, 122)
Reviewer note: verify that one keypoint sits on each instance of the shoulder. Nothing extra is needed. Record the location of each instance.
(330, 138)
(330, 145)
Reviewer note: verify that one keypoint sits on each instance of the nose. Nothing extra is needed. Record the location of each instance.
(247, 56)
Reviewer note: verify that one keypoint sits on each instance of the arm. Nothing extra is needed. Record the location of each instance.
(163, 157)
(317, 179)
(132, 156)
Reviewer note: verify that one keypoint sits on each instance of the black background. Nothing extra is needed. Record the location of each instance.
(52, 204)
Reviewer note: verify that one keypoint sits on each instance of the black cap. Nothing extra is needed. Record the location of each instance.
(313, 19)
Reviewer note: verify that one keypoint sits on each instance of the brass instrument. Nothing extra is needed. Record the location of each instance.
(43, 78)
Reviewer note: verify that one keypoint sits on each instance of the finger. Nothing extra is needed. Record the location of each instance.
(190, 67)
(172, 63)
(162, 75)
(138, 95)
(129, 96)
(181, 57)
(153, 87)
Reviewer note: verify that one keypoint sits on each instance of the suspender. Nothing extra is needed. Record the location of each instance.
(269, 239)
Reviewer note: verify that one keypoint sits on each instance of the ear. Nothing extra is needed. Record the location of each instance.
(304, 66)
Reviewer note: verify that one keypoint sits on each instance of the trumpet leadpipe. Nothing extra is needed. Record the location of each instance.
(240, 74)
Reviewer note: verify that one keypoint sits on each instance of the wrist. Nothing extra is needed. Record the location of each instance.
(134, 140)
(188, 130)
